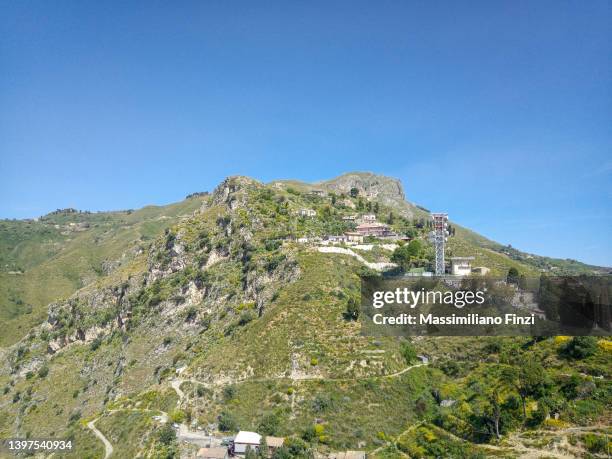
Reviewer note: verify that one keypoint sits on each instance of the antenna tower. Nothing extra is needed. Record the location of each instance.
(438, 237)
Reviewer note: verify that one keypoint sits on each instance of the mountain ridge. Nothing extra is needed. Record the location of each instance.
(223, 318)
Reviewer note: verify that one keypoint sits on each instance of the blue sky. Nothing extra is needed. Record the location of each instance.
(497, 112)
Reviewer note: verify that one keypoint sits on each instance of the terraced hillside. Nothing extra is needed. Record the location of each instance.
(211, 313)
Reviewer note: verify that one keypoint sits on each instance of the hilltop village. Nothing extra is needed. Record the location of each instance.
(407, 243)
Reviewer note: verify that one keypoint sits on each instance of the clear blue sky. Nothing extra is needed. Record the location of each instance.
(498, 112)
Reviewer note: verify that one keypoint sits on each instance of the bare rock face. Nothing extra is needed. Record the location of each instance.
(386, 190)
(226, 192)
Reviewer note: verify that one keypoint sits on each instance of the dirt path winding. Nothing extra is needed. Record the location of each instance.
(108, 448)
(176, 383)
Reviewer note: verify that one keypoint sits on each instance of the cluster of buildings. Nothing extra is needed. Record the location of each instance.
(366, 226)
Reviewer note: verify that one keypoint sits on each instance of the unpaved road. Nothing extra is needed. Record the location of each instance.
(108, 448)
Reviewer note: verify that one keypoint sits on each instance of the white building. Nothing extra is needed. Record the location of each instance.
(307, 212)
(245, 440)
(368, 217)
(354, 236)
(461, 266)
(337, 239)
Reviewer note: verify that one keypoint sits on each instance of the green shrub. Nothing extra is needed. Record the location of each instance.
(177, 416)
(95, 344)
(352, 309)
(246, 317)
(408, 352)
(229, 392)
(190, 314)
(595, 443)
(580, 347)
(269, 424)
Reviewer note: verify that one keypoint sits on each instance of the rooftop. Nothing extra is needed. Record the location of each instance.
(275, 442)
(251, 438)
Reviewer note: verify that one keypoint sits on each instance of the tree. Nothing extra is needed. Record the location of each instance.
(354, 192)
(494, 411)
(269, 424)
(166, 434)
(227, 422)
(513, 276)
(297, 448)
(406, 254)
(530, 379)
(262, 451)
(376, 207)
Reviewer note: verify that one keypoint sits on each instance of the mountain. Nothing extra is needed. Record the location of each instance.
(209, 312)
(45, 259)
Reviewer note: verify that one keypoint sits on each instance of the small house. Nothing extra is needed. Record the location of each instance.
(354, 236)
(274, 443)
(461, 266)
(246, 440)
(349, 218)
(319, 193)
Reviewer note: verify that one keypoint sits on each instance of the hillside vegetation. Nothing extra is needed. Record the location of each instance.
(210, 312)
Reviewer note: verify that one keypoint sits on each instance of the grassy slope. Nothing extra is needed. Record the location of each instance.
(304, 322)
(56, 265)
